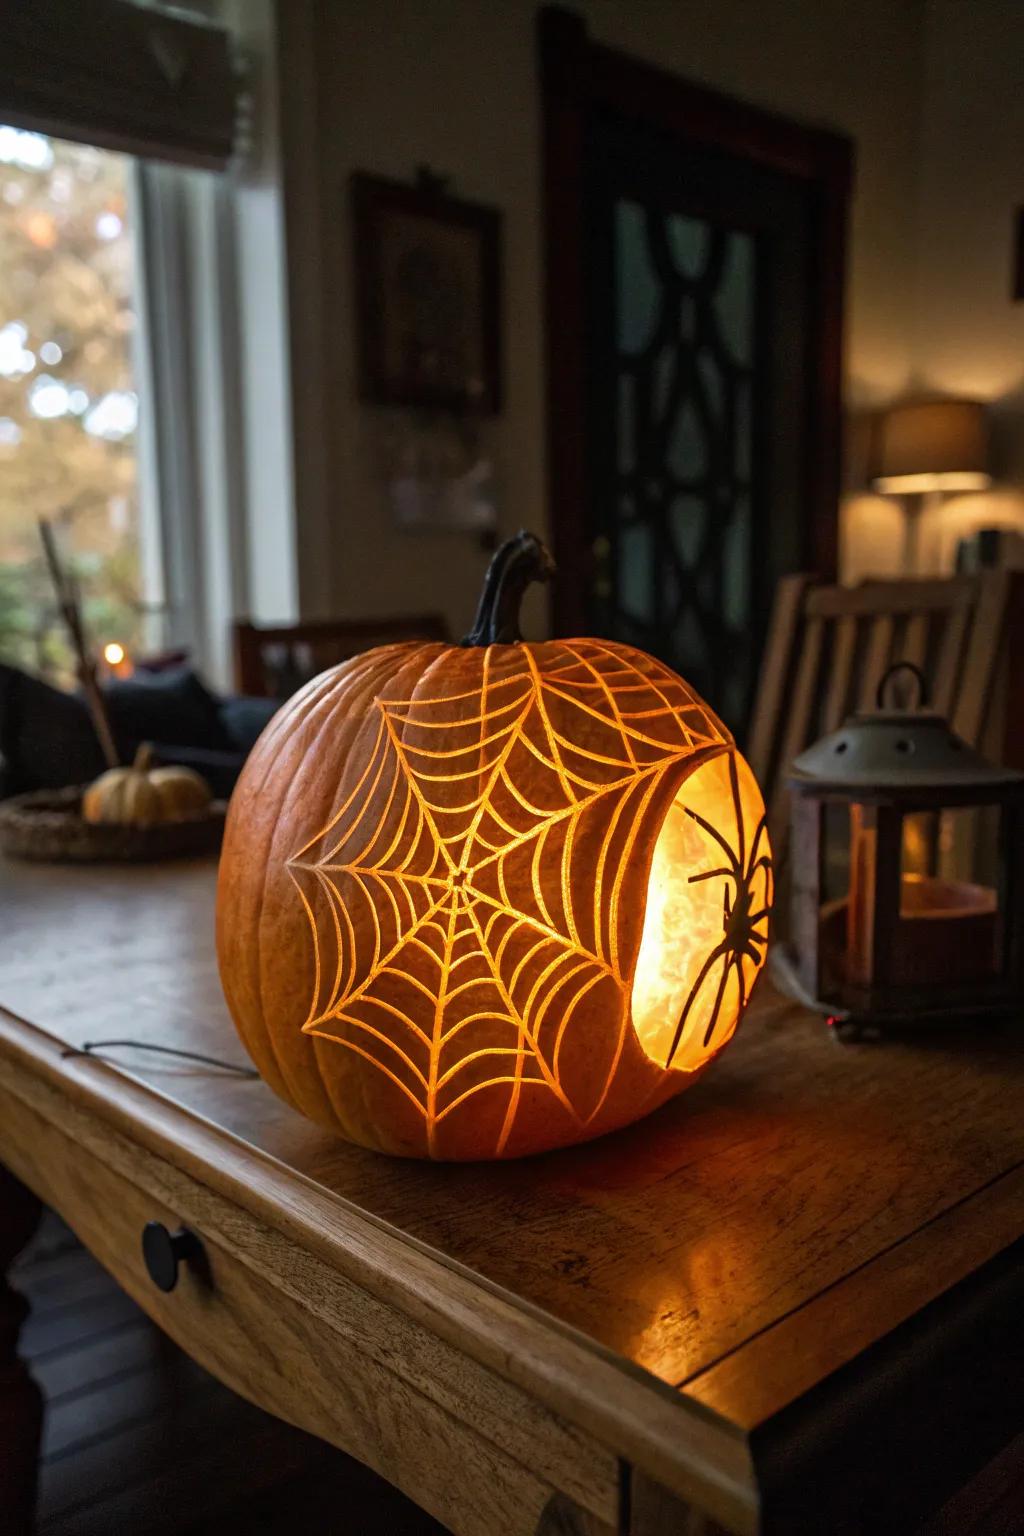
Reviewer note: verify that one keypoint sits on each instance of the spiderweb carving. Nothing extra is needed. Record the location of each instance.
(463, 898)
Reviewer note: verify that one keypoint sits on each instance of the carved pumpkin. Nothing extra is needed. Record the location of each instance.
(480, 901)
(142, 795)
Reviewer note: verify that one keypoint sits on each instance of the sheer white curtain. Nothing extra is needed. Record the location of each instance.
(192, 461)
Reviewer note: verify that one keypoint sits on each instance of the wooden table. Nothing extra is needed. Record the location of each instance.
(791, 1300)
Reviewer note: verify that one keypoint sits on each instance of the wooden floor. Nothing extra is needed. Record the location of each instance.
(993, 1505)
(140, 1441)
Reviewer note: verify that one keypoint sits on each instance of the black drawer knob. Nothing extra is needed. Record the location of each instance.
(164, 1252)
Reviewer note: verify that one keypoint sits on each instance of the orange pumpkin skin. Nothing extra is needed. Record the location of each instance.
(433, 891)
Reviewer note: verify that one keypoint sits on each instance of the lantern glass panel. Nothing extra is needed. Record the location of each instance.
(835, 856)
(860, 925)
(953, 843)
(834, 893)
(949, 893)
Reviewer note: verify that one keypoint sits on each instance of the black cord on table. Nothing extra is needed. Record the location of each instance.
(164, 1050)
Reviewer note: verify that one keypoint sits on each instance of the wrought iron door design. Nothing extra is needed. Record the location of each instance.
(677, 562)
(703, 407)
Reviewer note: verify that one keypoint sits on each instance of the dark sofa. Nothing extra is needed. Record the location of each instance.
(47, 740)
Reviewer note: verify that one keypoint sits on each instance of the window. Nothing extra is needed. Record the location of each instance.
(69, 396)
(145, 370)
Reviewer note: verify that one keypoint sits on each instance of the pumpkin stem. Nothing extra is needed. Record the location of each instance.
(515, 565)
(143, 757)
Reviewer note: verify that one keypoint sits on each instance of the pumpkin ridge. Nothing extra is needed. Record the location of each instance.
(334, 701)
(406, 655)
(666, 677)
(325, 1044)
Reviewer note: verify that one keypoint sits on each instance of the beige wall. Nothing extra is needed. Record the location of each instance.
(970, 332)
(966, 336)
(453, 83)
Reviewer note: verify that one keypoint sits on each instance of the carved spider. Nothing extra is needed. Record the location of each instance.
(741, 938)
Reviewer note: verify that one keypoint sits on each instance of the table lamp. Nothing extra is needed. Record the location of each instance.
(925, 449)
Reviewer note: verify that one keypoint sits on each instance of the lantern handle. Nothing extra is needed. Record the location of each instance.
(890, 673)
(517, 563)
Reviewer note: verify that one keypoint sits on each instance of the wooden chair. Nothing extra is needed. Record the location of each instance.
(273, 661)
(829, 646)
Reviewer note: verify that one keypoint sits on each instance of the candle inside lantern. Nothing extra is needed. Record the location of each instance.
(945, 928)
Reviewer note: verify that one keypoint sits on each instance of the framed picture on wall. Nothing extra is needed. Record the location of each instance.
(427, 269)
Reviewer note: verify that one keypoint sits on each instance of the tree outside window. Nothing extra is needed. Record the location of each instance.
(68, 401)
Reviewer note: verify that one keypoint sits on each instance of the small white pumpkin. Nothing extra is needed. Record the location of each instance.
(140, 795)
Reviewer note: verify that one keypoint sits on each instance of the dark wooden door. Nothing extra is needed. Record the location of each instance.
(695, 281)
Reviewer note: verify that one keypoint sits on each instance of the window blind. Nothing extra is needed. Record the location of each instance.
(147, 82)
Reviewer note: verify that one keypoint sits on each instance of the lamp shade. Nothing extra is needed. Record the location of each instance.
(932, 445)
(482, 900)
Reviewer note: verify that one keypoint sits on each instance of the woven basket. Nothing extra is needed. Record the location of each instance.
(47, 826)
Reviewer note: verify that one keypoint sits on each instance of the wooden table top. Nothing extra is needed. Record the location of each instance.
(741, 1244)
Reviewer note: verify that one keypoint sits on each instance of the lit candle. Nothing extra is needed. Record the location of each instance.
(116, 658)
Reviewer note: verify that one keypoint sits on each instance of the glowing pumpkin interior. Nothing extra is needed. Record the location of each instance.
(706, 916)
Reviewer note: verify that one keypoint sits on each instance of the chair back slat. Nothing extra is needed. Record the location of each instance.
(952, 650)
(913, 646)
(797, 729)
(783, 641)
(893, 598)
(877, 657)
(972, 702)
(828, 648)
(837, 694)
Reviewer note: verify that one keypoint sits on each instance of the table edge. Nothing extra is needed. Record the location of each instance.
(688, 1447)
(767, 1374)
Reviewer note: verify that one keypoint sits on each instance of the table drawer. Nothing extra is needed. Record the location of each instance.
(280, 1327)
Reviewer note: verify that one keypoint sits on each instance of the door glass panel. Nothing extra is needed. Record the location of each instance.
(636, 569)
(712, 383)
(685, 292)
(690, 639)
(663, 378)
(736, 567)
(687, 517)
(734, 299)
(688, 445)
(687, 240)
(626, 433)
(742, 438)
(637, 286)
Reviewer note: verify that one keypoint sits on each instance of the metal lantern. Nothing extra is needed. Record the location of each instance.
(907, 871)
